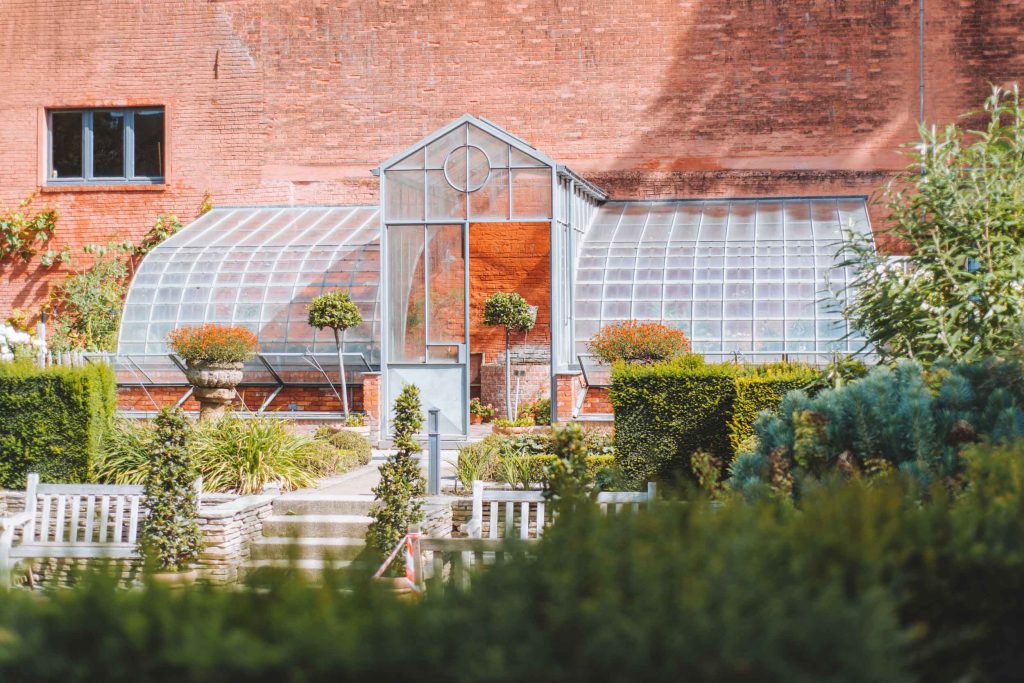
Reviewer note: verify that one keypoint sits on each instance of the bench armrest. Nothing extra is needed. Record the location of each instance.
(14, 521)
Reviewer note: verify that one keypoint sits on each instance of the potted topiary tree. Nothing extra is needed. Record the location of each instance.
(509, 310)
(398, 505)
(335, 310)
(213, 355)
(169, 537)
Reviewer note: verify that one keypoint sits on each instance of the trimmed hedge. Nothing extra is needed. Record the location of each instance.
(666, 412)
(52, 421)
(762, 391)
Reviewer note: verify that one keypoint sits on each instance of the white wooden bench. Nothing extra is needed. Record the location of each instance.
(530, 505)
(73, 521)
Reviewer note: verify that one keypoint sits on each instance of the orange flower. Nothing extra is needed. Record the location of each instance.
(210, 343)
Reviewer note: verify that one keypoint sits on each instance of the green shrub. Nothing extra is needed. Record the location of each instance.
(665, 413)
(761, 390)
(894, 418)
(354, 449)
(539, 412)
(52, 421)
(529, 455)
(244, 455)
(124, 456)
(169, 535)
(398, 497)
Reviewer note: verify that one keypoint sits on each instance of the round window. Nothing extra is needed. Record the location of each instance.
(467, 168)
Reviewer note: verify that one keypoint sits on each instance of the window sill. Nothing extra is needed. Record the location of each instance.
(112, 187)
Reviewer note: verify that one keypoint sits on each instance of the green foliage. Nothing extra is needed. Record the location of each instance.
(477, 408)
(900, 418)
(398, 503)
(245, 455)
(635, 341)
(355, 420)
(355, 448)
(334, 310)
(124, 456)
(22, 232)
(163, 227)
(169, 536)
(86, 307)
(958, 212)
(665, 413)
(236, 455)
(763, 389)
(52, 421)
(509, 310)
(525, 460)
(539, 412)
(569, 484)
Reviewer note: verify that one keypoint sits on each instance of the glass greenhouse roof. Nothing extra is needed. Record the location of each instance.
(259, 267)
(757, 278)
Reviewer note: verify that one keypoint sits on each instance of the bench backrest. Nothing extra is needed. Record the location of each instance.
(83, 514)
(505, 506)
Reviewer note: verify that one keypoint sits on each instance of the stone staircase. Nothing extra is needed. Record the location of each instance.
(308, 531)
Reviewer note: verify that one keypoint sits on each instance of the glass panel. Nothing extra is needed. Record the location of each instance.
(404, 193)
(149, 144)
(406, 294)
(447, 270)
(491, 201)
(66, 152)
(443, 201)
(531, 193)
(438, 150)
(108, 144)
(497, 150)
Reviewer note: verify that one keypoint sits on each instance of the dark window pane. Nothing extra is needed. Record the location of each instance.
(108, 144)
(149, 144)
(67, 145)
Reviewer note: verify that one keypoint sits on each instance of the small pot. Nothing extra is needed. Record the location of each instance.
(475, 419)
(175, 579)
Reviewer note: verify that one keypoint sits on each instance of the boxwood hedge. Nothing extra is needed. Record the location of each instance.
(52, 421)
(666, 412)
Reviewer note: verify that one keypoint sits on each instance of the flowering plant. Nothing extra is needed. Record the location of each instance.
(211, 343)
(15, 343)
(638, 342)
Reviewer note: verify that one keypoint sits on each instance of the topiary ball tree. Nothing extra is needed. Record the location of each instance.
(335, 310)
(509, 310)
(398, 504)
(169, 536)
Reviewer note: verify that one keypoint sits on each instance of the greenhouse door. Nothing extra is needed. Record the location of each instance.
(428, 319)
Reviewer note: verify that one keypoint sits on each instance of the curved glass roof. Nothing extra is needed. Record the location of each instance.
(753, 277)
(259, 267)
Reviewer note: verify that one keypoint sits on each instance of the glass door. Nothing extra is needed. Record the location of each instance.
(428, 318)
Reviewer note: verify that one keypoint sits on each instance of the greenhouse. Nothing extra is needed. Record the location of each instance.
(464, 213)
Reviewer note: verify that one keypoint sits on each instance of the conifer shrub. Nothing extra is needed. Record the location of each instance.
(53, 421)
(664, 413)
(169, 535)
(398, 503)
(907, 418)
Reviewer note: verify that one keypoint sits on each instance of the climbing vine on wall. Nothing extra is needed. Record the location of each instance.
(23, 232)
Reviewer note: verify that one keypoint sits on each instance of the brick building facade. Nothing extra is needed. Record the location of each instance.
(294, 102)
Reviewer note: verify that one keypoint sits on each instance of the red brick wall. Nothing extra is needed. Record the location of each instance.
(509, 257)
(308, 399)
(295, 100)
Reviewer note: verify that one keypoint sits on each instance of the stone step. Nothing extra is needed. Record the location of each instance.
(284, 548)
(316, 526)
(311, 569)
(323, 504)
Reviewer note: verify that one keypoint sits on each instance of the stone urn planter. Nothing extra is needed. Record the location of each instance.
(213, 386)
(175, 579)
